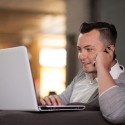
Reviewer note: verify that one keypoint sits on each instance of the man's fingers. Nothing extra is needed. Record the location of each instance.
(51, 100)
(58, 100)
(42, 102)
(94, 60)
(109, 51)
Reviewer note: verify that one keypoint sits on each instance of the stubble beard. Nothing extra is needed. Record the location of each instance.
(93, 72)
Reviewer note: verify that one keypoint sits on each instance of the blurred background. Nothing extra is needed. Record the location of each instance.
(49, 29)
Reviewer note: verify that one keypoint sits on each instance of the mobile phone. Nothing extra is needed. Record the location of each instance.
(114, 55)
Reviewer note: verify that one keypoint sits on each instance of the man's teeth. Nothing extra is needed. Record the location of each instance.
(86, 63)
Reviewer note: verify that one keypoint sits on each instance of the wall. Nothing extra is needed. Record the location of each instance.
(77, 11)
(112, 11)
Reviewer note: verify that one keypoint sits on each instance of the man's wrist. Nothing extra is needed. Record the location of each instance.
(101, 69)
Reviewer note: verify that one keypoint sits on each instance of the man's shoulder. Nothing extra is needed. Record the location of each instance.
(122, 76)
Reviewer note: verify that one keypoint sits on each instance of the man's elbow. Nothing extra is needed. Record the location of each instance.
(115, 119)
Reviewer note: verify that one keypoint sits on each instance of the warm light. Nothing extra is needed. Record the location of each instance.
(53, 62)
(53, 24)
(51, 41)
(52, 79)
(53, 57)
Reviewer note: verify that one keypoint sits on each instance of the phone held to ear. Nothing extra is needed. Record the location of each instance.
(114, 55)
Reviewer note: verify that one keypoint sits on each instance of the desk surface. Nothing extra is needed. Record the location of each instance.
(52, 118)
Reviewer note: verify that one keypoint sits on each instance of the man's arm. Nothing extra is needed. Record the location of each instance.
(104, 62)
(61, 99)
(111, 96)
(64, 97)
(112, 103)
(105, 80)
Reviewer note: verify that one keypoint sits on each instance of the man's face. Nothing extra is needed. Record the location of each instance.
(88, 45)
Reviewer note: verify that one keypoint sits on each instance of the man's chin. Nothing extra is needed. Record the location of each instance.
(89, 70)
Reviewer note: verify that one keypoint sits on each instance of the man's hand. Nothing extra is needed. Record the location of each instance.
(51, 100)
(104, 59)
(104, 62)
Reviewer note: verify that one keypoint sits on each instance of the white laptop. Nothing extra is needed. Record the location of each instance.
(17, 90)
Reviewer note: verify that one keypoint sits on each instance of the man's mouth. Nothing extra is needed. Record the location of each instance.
(86, 63)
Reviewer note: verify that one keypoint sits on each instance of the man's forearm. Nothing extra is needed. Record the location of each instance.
(105, 80)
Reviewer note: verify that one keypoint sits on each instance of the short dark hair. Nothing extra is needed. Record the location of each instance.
(107, 31)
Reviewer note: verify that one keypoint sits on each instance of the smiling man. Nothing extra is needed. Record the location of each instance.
(101, 81)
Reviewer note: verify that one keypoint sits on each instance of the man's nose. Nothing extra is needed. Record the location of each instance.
(83, 55)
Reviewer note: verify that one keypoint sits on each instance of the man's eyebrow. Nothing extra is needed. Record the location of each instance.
(86, 46)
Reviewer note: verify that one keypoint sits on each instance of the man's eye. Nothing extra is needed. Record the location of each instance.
(89, 49)
(79, 50)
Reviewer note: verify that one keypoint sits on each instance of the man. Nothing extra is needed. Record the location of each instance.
(101, 82)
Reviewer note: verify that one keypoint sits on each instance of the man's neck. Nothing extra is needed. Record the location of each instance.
(94, 74)
(113, 63)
